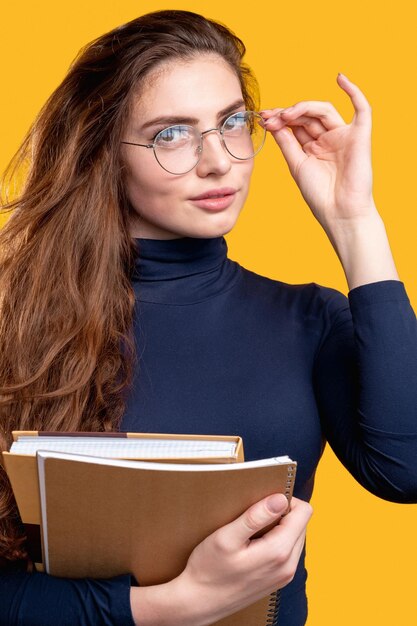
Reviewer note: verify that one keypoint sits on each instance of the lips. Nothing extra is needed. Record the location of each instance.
(215, 200)
(215, 193)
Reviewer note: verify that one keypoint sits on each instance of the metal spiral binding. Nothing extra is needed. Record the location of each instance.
(273, 608)
(275, 598)
(290, 480)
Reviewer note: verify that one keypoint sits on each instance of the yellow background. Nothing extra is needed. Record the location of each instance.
(362, 551)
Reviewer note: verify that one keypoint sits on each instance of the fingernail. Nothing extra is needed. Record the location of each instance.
(342, 75)
(287, 110)
(276, 504)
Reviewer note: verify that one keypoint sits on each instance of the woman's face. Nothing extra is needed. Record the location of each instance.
(165, 206)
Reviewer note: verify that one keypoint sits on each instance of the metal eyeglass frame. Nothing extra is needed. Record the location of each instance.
(219, 129)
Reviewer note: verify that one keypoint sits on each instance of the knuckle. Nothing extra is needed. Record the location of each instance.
(309, 510)
(282, 554)
(220, 542)
(304, 507)
(250, 522)
(328, 107)
(287, 575)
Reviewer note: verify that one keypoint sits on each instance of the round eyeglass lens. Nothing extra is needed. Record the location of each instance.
(243, 136)
(178, 148)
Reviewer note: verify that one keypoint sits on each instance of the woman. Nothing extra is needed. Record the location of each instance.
(141, 163)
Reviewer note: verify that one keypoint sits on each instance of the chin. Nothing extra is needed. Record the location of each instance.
(210, 233)
(215, 227)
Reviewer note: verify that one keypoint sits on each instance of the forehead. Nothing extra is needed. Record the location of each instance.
(198, 86)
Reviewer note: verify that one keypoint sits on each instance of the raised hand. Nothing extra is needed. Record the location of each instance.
(329, 160)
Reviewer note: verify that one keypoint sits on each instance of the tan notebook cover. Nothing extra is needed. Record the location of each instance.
(102, 518)
(23, 475)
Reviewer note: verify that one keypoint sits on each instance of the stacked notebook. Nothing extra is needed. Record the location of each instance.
(101, 516)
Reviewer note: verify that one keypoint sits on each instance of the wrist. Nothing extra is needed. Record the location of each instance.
(342, 227)
(167, 604)
(347, 236)
(363, 248)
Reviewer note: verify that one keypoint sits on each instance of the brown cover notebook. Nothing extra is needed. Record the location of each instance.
(23, 472)
(103, 517)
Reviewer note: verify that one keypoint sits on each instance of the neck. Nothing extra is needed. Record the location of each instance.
(183, 270)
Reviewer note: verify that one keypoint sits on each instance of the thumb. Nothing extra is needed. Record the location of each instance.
(253, 520)
(290, 148)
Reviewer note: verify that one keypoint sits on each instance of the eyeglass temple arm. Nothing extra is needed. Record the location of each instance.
(143, 145)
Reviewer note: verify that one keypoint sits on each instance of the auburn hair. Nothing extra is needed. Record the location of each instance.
(66, 256)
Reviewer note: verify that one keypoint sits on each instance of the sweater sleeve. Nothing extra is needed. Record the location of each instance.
(365, 379)
(42, 600)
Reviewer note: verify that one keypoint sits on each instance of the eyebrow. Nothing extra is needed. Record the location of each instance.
(177, 119)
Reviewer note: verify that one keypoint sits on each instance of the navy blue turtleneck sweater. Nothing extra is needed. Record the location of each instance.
(223, 350)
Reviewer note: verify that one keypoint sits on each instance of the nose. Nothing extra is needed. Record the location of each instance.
(214, 157)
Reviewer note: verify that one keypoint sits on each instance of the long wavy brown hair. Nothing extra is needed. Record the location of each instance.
(66, 255)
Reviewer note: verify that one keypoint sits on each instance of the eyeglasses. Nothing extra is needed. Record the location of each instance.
(178, 148)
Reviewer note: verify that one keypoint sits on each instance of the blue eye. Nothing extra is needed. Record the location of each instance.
(173, 136)
(235, 122)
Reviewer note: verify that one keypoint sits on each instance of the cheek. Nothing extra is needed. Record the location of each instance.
(247, 169)
(251, 165)
(149, 187)
(142, 178)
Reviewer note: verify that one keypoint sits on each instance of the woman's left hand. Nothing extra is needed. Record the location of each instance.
(329, 160)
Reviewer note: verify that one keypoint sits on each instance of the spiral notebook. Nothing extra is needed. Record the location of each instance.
(104, 517)
(21, 467)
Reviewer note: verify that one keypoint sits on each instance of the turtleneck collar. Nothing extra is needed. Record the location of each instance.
(182, 271)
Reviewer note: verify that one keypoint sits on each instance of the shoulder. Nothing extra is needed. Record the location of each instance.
(308, 299)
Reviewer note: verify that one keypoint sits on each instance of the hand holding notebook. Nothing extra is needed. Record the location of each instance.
(229, 571)
(186, 531)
